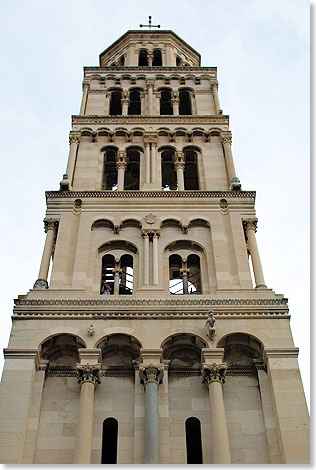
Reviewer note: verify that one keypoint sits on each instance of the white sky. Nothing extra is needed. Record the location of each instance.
(261, 49)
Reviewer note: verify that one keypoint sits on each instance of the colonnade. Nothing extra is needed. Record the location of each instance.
(151, 372)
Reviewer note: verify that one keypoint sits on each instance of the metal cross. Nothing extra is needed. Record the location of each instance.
(149, 25)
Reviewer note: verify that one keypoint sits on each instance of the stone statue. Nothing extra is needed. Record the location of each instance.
(210, 325)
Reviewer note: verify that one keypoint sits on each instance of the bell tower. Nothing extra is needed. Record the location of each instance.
(155, 338)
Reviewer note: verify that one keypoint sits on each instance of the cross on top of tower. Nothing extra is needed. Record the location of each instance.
(149, 25)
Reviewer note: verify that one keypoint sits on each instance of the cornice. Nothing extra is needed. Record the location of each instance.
(149, 194)
(97, 119)
(147, 69)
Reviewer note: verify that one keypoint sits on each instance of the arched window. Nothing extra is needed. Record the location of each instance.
(110, 171)
(194, 277)
(116, 102)
(185, 106)
(169, 177)
(193, 441)
(131, 178)
(191, 180)
(126, 285)
(107, 279)
(184, 275)
(122, 60)
(134, 102)
(142, 59)
(109, 441)
(175, 279)
(117, 275)
(178, 61)
(157, 59)
(165, 102)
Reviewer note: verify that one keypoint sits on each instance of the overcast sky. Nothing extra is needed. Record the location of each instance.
(261, 49)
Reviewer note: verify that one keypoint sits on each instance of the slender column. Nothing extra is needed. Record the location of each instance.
(156, 235)
(215, 94)
(121, 167)
(85, 88)
(250, 227)
(179, 165)
(142, 103)
(107, 103)
(117, 274)
(50, 229)
(125, 102)
(147, 159)
(214, 376)
(184, 274)
(232, 178)
(150, 87)
(151, 376)
(150, 57)
(146, 257)
(88, 377)
(74, 139)
(153, 161)
(175, 106)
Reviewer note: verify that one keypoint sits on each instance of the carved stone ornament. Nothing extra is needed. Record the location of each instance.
(179, 165)
(226, 138)
(210, 325)
(151, 373)
(50, 224)
(40, 284)
(87, 373)
(214, 373)
(250, 224)
(91, 330)
(150, 219)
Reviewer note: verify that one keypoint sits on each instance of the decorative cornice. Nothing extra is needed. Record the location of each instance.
(30, 354)
(149, 194)
(272, 353)
(96, 119)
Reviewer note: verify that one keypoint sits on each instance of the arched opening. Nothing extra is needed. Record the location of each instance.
(185, 106)
(61, 351)
(110, 171)
(183, 350)
(175, 279)
(193, 441)
(109, 441)
(119, 351)
(131, 178)
(134, 102)
(157, 59)
(122, 60)
(126, 284)
(178, 61)
(194, 276)
(240, 351)
(116, 102)
(107, 278)
(142, 58)
(169, 176)
(165, 102)
(191, 179)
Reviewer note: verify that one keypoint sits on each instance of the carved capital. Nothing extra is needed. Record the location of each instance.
(125, 101)
(145, 233)
(117, 271)
(214, 373)
(87, 373)
(150, 83)
(151, 373)
(250, 224)
(85, 85)
(121, 160)
(215, 86)
(156, 233)
(226, 137)
(50, 224)
(150, 138)
(179, 165)
(175, 100)
(74, 138)
(184, 272)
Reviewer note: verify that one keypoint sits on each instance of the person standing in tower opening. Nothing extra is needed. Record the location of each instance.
(105, 289)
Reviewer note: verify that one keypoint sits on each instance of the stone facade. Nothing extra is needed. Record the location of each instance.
(151, 328)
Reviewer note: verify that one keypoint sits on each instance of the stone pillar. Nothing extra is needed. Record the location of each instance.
(121, 167)
(250, 227)
(184, 274)
(117, 274)
(74, 139)
(156, 235)
(153, 161)
(231, 173)
(175, 106)
(89, 375)
(150, 88)
(85, 88)
(150, 57)
(107, 103)
(215, 95)
(179, 165)
(151, 372)
(214, 376)
(289, 404)
(147, 159)
(146, 257)
(51, 226)
(125, 102)
(142, 103)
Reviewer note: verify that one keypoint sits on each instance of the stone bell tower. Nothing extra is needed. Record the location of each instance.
(151, 342)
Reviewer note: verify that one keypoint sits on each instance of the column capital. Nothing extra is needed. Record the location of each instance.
(150, 83)
(121, 160)
(89, 373)
(151, 373)
(226, 137)
(74, 137)
(85, 84)
(150, 138)
(175, 100)
(214, 373)
(179, 165)
(50, 224)
(145, 233)
(125, 101)
(214, 85)
(250, 224)
(156, 233)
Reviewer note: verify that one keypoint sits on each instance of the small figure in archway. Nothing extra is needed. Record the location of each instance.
(210, 325)
(106, 289)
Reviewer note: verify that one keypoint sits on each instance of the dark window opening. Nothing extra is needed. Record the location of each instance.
(126, 284)
(109, 441)
(194, 277)
(178, 61)
(193, 441)
(131, 178)
(169, 176)
(115, 102)
(165, 102)
(191, 179)
(185, 102)
(107, 279)
(143, 59)
(157, 59)
(175, 279)
(110, 171)
(122, 60)
(134, 102)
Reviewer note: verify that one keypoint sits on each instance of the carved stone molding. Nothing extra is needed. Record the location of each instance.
(89, 373)
(74, 137)
(250, 224)
(272, 353)
(226, 137)
(207, 119)
(50, 224)
(151, 373)
(214, 373)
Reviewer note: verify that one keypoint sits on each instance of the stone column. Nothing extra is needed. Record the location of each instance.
(121, 167)
(151, 373)
(125, 102)
(117, 274)
(150, 57)
(85, 88)
(179, 165)
(214, 376)
(156, 235)
(107, 103)
(147, 159)
(150, 88)
(153, 161)
(250, 227)
(231, 173)
(74, 140)
(89, 375)
(215, 95)
(51, 226)
(184, 274)
(142, 103)
(146, 257)
(175, 106)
